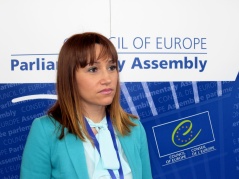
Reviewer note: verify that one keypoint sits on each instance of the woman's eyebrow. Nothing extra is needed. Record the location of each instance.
(111, 61)
(95, 62)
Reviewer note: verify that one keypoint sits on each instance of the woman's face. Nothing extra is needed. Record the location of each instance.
(97, 83)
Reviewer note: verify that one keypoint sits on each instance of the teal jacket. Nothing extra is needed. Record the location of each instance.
(47, 157)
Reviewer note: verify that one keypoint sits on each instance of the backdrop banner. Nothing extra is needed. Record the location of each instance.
(178, 64)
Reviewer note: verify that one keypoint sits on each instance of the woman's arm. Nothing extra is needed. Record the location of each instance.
(36, 156)
(144, 154)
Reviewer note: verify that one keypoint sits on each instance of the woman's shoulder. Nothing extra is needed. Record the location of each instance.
(139, 127)
(45, 120)
(47, 123)
(137, 133)
(136, 121)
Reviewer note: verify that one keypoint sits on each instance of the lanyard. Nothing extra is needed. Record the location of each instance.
(93, 137)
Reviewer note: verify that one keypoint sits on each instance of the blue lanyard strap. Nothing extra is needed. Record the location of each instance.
(111, 129)
(96, 143)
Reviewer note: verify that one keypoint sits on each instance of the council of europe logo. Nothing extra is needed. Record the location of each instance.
(182, 134)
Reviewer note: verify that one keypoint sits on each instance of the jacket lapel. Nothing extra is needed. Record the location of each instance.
(129, 150)
(76, 153)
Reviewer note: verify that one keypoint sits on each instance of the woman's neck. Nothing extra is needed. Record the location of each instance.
(96, 114)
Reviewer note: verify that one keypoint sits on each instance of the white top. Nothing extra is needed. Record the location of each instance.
(94, 162)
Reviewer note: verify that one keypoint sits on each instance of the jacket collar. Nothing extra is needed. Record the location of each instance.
(76, 152)
(129, 150)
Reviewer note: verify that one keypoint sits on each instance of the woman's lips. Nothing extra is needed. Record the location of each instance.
(106, 91)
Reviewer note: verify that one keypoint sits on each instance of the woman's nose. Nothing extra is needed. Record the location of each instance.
(105, 77)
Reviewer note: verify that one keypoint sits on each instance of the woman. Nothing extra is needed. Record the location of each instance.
(87, 134)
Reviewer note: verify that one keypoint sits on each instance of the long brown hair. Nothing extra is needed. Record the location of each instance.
(75, 53)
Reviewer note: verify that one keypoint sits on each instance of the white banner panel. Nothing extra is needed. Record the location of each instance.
(32, 33)
(177, 40)
(156, 40)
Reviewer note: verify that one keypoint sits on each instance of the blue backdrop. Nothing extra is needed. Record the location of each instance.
(192, 127)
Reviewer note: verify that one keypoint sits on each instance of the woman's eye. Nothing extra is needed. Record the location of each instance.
(92, 69)
(112, 67)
